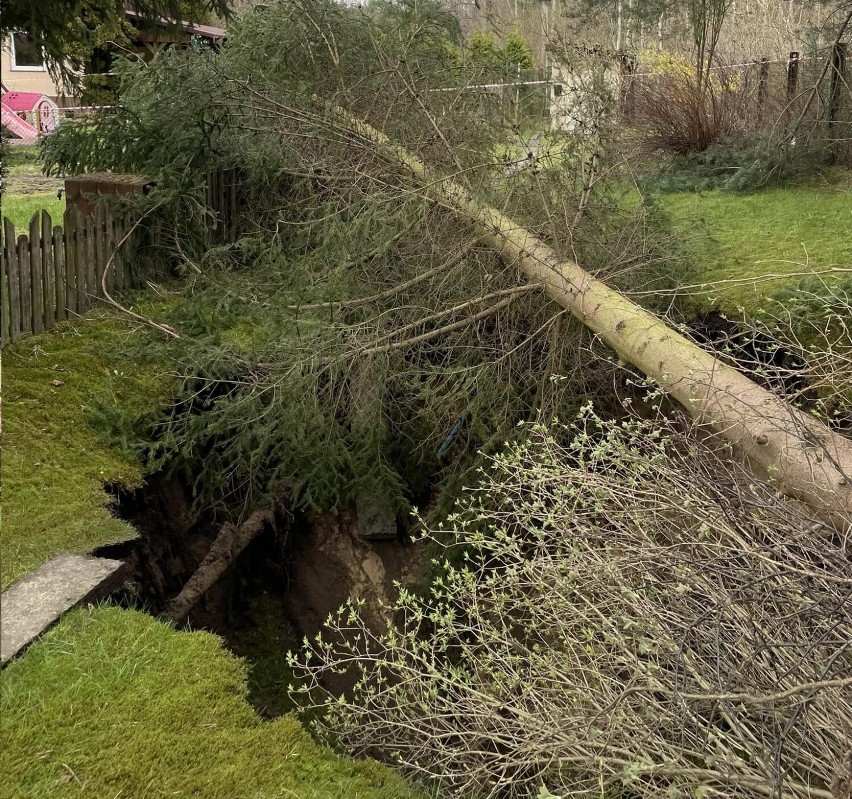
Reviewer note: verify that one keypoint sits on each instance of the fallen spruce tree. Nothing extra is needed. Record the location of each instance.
(365, 312)
(355, 70)
(804, 458)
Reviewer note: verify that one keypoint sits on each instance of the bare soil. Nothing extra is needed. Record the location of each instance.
(31, 184)
(312, 563)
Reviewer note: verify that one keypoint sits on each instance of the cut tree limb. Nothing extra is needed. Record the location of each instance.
(229, 543)
(805, 459)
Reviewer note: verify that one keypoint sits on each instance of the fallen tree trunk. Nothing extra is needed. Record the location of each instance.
(229, 543)
(803, 457)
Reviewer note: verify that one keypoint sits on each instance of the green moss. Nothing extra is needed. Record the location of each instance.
(264, 637)
(739, 241)
(114, 703)
(55, 464)
(20, 208)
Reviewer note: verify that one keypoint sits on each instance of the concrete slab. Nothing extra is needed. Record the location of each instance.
(35, 603)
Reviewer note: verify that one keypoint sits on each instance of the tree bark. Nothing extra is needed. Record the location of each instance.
(229, 543)
(804, 458)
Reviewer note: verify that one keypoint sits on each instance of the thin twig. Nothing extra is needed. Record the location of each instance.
(108, 298)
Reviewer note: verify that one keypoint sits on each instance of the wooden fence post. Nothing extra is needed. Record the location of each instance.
(121, 255)
(80, 257)
(792, 74)
(232, 202)
(101, 250)
(70, 240)
(13, 279)
(763, 80)
(25, 273)
(48, 265)
(89, 260)
(5, 328)
(838, 66)
(36, 269)
(57, 240)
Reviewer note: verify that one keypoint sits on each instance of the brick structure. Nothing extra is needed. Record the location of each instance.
(79, 189)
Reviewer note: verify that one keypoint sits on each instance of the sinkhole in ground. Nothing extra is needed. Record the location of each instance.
(282, 587)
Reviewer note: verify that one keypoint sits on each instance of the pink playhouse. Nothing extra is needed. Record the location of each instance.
(28, 115)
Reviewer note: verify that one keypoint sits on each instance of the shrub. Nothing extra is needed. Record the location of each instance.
(634, 617)
(810, 319)
(678, 114)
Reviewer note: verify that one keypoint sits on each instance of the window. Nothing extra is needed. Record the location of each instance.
(25, 54)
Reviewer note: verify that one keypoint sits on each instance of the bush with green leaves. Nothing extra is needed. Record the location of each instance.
(809, 319)
(631, 615)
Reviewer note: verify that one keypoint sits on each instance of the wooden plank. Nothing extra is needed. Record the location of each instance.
(211, 206)
(69, 238)
(221, 206)
(37, 273)
(13, 276)
(57, 239)
(25, 273)
(121, 255)
(111, 252)
(90, 262)
(217, 208)
(5, 330)
(232, 203)
(80, 256)
(102, 249)
(48, 263)
(118, 231)
(127, 251)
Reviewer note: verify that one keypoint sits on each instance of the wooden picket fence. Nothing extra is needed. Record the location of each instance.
(52, 273)
(55, 273)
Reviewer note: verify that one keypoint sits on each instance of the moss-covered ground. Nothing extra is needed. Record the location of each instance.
(55, 462)
(744, 246)
(112, 703)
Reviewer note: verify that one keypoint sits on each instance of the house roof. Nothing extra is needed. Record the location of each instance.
(205, 31)
(22, 101)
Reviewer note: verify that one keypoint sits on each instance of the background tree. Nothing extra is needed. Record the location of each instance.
(68, 31)
(517, 53)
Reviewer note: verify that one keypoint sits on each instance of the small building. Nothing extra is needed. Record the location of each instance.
(28, 115)
(24, 70)
(587, 89)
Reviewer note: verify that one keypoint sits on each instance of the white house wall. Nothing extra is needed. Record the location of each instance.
(25, 80)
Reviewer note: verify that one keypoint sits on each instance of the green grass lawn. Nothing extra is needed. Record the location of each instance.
(112, 703)
(55, 464)
(740, 242)
(22, 159)
(20, 208)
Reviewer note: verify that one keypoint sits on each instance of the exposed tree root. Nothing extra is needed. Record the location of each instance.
(230, 542)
